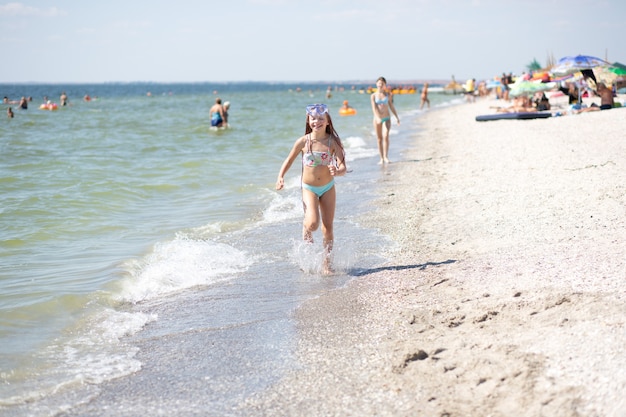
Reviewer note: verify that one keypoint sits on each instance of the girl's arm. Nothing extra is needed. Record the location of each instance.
(295, 151)
(340, 169)
(393, 108)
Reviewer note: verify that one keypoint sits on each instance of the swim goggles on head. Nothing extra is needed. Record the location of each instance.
(319, 109)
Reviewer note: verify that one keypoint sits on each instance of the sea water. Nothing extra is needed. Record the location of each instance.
(126, 220)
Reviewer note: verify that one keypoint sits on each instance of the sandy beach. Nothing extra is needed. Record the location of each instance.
(504, 294)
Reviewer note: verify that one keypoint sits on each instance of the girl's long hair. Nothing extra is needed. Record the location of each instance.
(330, 130)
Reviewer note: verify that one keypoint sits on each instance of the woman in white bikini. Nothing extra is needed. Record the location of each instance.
(382, 102)
(323, 158)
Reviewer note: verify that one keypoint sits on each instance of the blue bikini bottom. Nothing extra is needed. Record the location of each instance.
(319, 191)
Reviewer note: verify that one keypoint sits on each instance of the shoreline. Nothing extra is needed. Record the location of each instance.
(504, 293)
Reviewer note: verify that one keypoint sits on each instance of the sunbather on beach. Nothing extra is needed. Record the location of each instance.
(571, 91)
(541, 102)
(606, 100)
(606, 97)
(520, 105)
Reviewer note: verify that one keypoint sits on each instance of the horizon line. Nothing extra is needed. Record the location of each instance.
(414, 81)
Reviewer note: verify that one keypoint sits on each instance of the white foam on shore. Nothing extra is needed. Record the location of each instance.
(92, 352)
(178, 264)
(357, 148)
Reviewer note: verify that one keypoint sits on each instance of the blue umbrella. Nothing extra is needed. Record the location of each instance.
(578, 63)
(572, 64)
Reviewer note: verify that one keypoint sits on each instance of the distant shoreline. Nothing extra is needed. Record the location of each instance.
(332, 82)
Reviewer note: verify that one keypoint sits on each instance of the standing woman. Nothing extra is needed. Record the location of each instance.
(216, 113)
(425, 99)
(382, 102)
(323, 158)
(225, 107)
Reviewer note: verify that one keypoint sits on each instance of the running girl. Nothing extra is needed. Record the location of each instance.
(323, 158)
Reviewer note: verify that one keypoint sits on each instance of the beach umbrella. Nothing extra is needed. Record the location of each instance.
(572, 64)
(605, 75)
(526, 88)
(608, 74)
(617, 68)
(579, 63)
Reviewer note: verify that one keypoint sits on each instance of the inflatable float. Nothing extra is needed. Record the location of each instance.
(346, 110)
(350, 111)
(49, 106)
(513, 116)
(408, 90)
(395, 90)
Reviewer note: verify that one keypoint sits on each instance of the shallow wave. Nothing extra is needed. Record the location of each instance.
(178, 264)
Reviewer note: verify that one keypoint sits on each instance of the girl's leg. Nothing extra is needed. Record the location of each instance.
(327, 208)
(311, 215)
(378, 127)
(385, 141)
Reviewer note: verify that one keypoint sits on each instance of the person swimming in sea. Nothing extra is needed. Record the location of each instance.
(226, 107)
(217, 113)
(382, 104)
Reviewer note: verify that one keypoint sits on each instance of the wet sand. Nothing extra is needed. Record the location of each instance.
(504, 291)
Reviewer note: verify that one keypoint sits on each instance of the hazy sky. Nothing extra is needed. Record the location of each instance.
(293, 40)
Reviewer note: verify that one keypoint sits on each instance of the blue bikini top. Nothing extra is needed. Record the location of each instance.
(383, 100)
